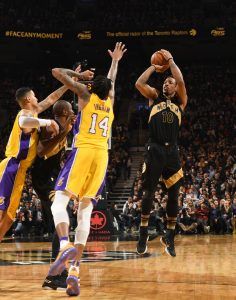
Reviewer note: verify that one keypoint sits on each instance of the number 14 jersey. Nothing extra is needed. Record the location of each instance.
(94, 124)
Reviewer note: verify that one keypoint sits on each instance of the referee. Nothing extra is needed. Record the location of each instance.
(162, 154)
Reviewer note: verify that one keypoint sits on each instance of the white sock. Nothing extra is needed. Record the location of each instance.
(63, 243)
(73, 267)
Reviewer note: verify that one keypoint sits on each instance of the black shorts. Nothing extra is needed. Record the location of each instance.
(160, 161)
(44, 188)
(45, 192)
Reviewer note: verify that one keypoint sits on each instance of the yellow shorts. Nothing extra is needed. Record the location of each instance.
(12, 178)
(83, 174)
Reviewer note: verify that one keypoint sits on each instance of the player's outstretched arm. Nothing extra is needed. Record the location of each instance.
(65, 77)
(51, 99)
(116, 56)
(181, 89)
(27, 122)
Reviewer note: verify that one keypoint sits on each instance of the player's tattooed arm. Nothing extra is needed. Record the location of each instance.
(177, 74)
(51, 99)
(116, 56)
(145, 89)
(65, 77)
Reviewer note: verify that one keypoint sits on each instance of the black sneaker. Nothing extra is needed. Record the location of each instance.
(55, 282)
(64, 274)
(143, 238)
(168, 241)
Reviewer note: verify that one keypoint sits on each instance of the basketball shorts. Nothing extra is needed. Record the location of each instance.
(83, 174)
(44, 187)
(12, 178)
(161, 161)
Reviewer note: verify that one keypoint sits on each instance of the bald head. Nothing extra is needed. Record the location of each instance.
(62, 108)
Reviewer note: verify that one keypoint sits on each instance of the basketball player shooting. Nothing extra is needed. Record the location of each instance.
(84, 171)
(162, 154)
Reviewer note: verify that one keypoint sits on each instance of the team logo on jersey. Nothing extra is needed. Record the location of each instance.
(60, 181)
(2, 200)
(98, 220)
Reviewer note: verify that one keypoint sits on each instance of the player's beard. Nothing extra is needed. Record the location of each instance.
(168, 95)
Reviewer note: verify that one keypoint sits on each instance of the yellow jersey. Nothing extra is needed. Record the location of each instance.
(94, 123)
(22, 146)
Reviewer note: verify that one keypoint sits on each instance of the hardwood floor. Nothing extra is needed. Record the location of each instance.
(205, 268)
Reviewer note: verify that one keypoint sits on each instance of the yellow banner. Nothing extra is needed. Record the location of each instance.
(189, 32)
(33, 35)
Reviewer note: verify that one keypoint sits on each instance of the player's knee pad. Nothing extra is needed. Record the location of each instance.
(83, 219)
(58, 207)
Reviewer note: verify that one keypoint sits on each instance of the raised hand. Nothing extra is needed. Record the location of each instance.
(118, 52)
(167, 55)
(161, 69)
(87, 75)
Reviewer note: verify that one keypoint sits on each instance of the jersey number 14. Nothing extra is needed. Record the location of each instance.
(103, 125)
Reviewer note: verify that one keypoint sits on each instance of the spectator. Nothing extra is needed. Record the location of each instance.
(186, 222)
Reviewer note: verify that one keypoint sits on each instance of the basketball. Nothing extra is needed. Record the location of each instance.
(158, 59)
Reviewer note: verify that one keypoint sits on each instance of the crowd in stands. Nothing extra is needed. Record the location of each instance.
(120, 160)
(55, 15)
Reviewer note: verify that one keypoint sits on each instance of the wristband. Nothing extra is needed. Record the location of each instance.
(170, 58)
(154, 67)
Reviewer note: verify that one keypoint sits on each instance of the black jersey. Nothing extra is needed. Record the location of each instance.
(46, 169)
(164, 121)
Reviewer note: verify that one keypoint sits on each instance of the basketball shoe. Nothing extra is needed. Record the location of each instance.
(142, 242)
(168, 241)
(57, 282)
(67, 253)
(73, 282)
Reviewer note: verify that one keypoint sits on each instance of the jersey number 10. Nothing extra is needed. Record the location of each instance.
(168, 117)
(103, 125)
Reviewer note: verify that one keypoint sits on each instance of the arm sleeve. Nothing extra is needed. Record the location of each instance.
(30, 122)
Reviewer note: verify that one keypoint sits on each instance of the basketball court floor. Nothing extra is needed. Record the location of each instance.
(205, 268)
